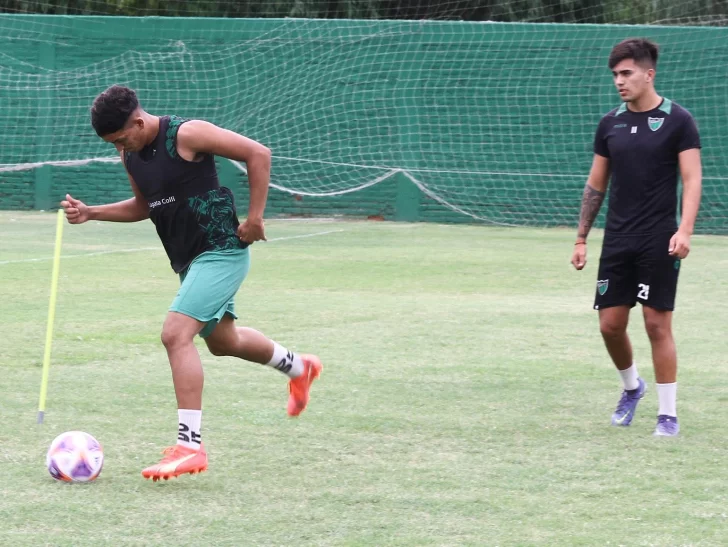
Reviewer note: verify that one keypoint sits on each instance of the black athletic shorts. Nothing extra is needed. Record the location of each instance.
(637, 269)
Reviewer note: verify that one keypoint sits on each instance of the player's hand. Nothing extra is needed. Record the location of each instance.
(76, 211)
(578, 258)
(679, 245)
(252, 230)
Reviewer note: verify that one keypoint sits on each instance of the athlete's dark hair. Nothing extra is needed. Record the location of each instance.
(640, 50)
(112, 108)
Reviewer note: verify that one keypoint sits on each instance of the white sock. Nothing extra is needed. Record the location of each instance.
(189, 428)
(667, 395)
(286, 361)
(630, 377)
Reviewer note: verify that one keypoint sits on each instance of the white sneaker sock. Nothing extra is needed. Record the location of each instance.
(189, 428)
(287, 362)
(630, 377)
(667, 395)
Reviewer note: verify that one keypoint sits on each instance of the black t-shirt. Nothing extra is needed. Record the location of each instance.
(193, 214)
(643, 149)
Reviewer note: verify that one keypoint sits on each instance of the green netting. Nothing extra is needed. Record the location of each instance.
(488, 121)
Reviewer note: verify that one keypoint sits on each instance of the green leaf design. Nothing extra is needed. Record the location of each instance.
(215, 214)
(174, 123)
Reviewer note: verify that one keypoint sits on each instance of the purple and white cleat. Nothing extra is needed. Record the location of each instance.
(627, 404)
(667, 426)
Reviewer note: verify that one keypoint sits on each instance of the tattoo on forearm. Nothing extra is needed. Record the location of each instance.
(591, 202)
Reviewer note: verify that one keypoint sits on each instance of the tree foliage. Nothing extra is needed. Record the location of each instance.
(554, 11)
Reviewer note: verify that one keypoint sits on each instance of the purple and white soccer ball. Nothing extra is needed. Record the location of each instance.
(75, 456)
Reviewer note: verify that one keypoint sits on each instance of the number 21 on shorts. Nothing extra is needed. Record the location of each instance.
(644, 291)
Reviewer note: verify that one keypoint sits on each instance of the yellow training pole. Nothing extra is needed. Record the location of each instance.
(51, 316)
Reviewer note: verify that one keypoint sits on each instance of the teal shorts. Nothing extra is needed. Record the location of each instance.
(208, 286)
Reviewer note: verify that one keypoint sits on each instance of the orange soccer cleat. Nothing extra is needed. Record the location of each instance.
(177, 461)
(299, 387)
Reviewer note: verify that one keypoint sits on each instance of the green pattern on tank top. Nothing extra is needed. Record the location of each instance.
(215, 213)
(172, 128)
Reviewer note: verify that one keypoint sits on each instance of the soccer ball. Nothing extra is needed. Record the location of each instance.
(75, 456)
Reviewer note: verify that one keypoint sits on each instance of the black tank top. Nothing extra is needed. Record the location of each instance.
(191, 211)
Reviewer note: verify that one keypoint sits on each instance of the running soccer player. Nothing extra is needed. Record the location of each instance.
(642, 144)
(171, 168)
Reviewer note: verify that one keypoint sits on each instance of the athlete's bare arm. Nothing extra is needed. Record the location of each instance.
(199, 137)
(129, 210)
(591, 202)
(691, 172)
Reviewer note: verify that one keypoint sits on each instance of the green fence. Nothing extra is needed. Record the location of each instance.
(429, 121)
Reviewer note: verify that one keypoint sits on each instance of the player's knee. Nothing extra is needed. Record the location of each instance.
(657, 330)
(217, 349)
(172, 339)
(612, 329)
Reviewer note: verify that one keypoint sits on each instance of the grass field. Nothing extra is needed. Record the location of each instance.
(465, 398)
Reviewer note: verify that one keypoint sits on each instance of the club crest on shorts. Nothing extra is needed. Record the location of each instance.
(602, 286)
(655, 123)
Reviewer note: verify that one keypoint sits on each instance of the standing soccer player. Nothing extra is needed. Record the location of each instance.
(171, 167)
(642, 143)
